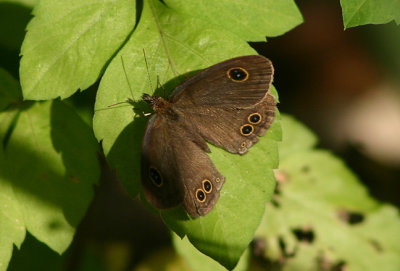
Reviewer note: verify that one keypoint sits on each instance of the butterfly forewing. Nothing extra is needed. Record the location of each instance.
(221, 85)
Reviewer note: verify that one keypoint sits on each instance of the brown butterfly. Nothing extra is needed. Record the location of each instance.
(228, 105)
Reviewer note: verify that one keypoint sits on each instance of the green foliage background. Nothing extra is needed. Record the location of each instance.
(49, 154)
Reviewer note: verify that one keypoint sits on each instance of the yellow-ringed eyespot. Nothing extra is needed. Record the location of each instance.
(238, 74)
(218, 179)
(254, 118)
(200, 195)
(155, 177)
(207, 186)
(246, 129)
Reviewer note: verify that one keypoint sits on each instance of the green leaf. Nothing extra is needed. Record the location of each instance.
(68, 43)
(225, 232)
(170, 52)
(296, 137)
(31, 254)
(359, 12)
(318, 195)
(176, 43)
(10, 92)
(47, 171)
(249, 20)
(12, 228)
(198, 261)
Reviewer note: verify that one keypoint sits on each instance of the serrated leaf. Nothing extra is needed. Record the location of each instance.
(12, 229)
(249, 20)
(31, 254)
(198, 261)
(172, 51)
(359, 12)
(169, 52)
(68, 43)
(10, 92)
(47, 171)
(225, 232)
(317, 193)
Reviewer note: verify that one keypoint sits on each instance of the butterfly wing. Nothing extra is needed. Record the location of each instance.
(176, 169)
(237, 82)
(235, 129)
(229, 102)
(228, 105)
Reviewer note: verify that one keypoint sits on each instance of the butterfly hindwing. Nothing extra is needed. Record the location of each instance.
(176, 170)
(234, 129)
(229, 109)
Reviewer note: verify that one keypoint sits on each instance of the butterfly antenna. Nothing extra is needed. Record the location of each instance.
(129, 100)
(147, 68)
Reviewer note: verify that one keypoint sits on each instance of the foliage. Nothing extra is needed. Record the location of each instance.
(320, 218)
(48, 166)
(49, 154)
(322, 200)
(359, 12)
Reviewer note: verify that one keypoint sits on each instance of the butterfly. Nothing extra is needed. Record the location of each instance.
(228, 105)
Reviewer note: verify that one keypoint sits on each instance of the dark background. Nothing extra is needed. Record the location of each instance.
(344, 85)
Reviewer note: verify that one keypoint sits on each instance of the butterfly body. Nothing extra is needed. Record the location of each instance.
(227, 105)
